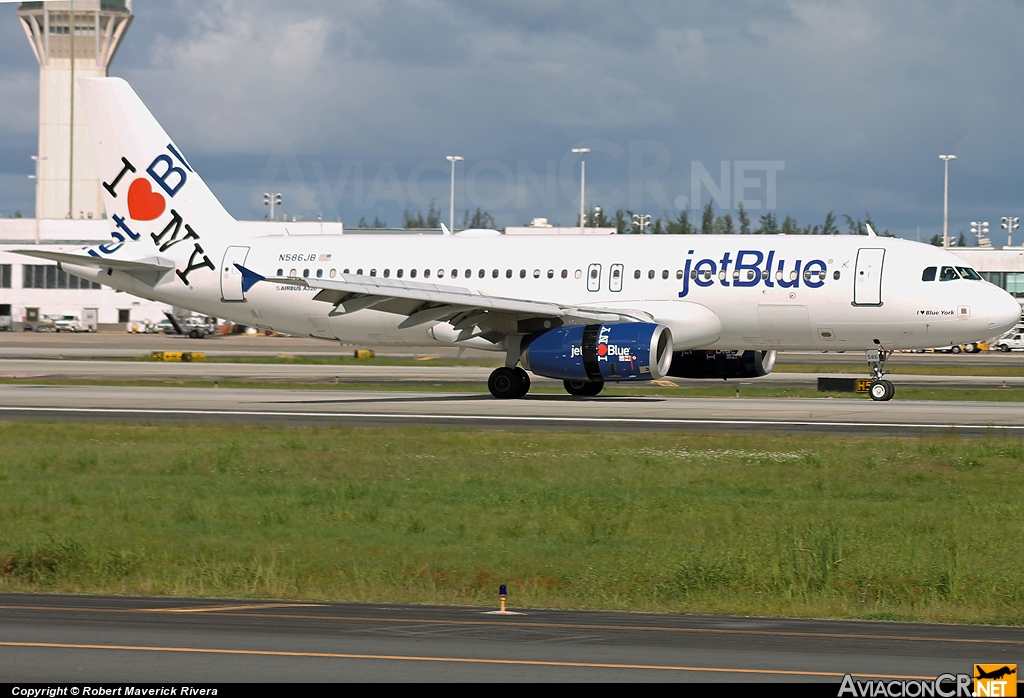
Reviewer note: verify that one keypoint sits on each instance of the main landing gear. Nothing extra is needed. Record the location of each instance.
(881, 390)
(583, 388)
(507, 383)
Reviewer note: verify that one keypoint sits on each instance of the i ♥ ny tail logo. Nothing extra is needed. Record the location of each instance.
(147, 204)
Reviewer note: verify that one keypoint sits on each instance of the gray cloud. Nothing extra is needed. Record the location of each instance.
(857, 98)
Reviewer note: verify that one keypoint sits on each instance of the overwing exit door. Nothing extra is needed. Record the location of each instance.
(867, 279)
(230, 277)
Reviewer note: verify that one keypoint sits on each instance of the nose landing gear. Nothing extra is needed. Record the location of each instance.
(881, 390)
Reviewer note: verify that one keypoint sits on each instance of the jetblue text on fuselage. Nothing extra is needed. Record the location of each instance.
(750, 268)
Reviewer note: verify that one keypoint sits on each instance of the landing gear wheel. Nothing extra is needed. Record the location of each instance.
(504, 383)
(882, 391)
(583, 388)
(524, 381)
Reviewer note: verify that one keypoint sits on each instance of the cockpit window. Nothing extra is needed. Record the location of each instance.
(929, 274)
(948, 274)
(969, 273)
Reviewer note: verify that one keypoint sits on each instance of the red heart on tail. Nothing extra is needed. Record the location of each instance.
(144, 204)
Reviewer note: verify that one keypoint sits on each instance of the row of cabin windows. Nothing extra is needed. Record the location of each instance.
(950, 274)
(495, 273)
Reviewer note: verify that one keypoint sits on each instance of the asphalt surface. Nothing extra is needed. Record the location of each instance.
(27, 369)
(117, 639)
(480, 410)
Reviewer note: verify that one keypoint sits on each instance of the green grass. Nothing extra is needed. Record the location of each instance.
(425, 360)
(762, 525)
(710, 389)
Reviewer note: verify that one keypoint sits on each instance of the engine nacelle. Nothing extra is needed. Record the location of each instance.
(722, 364)
(624, 351)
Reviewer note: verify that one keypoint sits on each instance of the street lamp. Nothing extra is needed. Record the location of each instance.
(980, 230)
(451, 207)
(583, 181)
(641, 220)
(945, 202)
(272, 200)
(1010, 223)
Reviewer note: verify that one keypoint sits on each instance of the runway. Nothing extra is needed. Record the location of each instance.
(80, 638)
(28, 369)
(480, 410)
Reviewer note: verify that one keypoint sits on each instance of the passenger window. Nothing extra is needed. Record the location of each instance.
(835, 275)
(616, 272)
(387, 273)
(551, 273)
(778, 275)
(565, 273)
(593, 273)
(373, 272)
(412, 273)
(305, 272)
(482, 273)
(280, 272)
(636, 274)
(764, 275)
(426, 273)
(334, 272)
(650, 274)
(736, 274)
(948, 274)
(292, 272)
(807, 276)
(536, 273)
(928, 275)
(440, 273)
(679, 273)
(359, 272)
(399, 273)
(345, 272)
(469, 274)
(578, 274)
(750, 274)
(693, 274)
(508, 273)
(455, 273)
(664, 273)
(792, 275)
(319, 273)
(522, 273)
(494, 274)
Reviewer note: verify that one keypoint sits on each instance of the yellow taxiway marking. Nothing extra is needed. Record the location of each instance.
(246, 607)
(457, 660)
(214, 610)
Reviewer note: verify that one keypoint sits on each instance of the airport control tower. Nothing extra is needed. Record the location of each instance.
(71, 39)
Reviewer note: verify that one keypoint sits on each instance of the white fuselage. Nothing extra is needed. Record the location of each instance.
(820, 293)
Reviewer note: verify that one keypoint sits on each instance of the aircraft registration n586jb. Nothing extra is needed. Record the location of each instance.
(585, 310)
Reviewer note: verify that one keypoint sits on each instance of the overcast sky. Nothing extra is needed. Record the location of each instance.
(848, 103)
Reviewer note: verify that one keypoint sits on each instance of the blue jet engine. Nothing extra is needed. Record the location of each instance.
(625, 351)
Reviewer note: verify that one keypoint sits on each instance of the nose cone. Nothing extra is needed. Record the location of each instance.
(1004, 313)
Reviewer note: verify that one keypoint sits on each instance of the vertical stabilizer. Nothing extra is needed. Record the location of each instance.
(151, 193)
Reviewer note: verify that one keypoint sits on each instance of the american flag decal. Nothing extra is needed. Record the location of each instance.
(324, 258)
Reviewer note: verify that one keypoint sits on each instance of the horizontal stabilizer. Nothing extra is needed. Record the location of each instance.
(147, 265)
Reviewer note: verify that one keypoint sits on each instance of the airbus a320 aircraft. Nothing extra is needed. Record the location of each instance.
(584, 310)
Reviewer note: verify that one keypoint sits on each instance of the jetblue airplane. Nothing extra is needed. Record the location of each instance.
(587, 311)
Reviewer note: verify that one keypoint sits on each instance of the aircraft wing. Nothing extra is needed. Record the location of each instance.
(471, 312)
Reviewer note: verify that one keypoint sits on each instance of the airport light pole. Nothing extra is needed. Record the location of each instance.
(1009, 224)
(980, 230)
(945, 202)
(641, 220)
(272, 200)
(583, 183)
(451, 205)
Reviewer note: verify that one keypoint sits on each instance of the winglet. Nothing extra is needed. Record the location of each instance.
(871, 231)
(444, 229)
(249, 277)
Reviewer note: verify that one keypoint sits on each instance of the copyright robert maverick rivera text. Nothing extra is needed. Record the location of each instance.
(55, 691)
